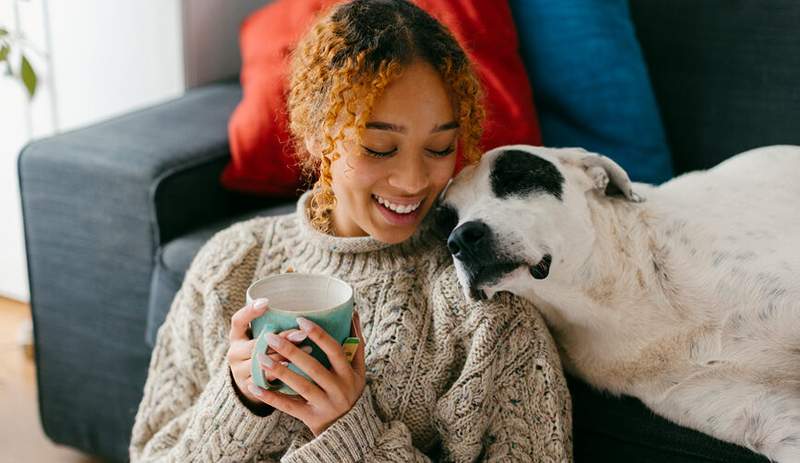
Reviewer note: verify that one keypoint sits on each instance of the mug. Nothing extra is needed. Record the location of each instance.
(325, 300)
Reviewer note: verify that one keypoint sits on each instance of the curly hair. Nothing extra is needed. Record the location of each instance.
(344, 63)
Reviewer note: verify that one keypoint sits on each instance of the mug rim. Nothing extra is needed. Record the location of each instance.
(260, 281)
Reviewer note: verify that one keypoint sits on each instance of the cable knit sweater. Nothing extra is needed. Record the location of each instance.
(447, 379)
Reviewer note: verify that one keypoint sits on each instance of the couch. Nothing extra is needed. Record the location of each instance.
(114, 213)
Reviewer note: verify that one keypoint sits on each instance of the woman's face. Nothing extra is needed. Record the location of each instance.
(387, 182)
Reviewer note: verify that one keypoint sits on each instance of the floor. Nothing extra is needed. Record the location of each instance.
(21, 435)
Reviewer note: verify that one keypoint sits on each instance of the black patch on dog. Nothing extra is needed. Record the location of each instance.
(517, 172)
(445, 219)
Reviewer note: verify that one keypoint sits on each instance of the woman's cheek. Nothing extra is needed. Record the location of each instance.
(442, 171)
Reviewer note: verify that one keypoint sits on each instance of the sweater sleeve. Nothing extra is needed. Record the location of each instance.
(520, 408)
(190, 410)
(358, 435)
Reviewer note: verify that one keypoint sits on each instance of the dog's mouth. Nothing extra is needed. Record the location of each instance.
(542, 269)
(487, 275)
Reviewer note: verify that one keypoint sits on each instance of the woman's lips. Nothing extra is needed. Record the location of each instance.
(396, 218)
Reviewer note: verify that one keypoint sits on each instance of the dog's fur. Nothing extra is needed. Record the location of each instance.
(688, 299)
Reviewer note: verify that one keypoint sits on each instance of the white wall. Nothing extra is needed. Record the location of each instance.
(110, 57)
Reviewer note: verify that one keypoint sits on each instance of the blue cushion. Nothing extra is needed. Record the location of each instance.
(590, 82)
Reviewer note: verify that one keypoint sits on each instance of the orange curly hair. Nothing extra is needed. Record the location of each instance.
(344, 63)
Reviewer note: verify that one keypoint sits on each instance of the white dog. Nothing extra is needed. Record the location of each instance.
(686, 297)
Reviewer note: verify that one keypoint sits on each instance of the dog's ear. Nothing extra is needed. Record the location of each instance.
(606, 174)
(609, 177)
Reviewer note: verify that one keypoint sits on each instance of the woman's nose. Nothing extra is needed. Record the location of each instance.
(410, 176)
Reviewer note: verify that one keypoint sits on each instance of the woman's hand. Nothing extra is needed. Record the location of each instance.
(336, 390)
(242, 344)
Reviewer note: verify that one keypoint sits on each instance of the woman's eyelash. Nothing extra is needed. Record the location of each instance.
(444, 152)
(379, 154)
(383, 154)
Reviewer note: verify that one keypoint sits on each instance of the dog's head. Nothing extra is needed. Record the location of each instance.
(522, 214)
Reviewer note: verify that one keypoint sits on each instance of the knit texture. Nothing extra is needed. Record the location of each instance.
(448, 379)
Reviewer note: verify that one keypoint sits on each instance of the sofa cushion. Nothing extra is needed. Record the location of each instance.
(173, 260)
(591, 84)
(622, 429)
(262, 153)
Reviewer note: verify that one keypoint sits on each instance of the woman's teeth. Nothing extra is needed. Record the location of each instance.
(397, 207)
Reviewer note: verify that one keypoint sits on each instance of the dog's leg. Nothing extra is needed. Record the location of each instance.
(762, 417)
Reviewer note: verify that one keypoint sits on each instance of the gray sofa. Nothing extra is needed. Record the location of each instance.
(114, 213)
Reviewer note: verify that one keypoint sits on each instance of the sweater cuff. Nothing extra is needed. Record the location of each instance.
(346, 440)
(220, 413)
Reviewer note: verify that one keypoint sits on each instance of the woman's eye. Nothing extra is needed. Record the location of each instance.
(444, 152)
(379, 154)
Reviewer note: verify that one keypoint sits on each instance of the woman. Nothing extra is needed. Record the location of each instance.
(381, 96)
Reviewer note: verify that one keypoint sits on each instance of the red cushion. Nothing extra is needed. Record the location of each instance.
(262, 153)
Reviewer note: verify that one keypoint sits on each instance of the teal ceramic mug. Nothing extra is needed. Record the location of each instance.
(325, 300)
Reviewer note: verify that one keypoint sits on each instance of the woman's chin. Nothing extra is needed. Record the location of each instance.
(392, 234)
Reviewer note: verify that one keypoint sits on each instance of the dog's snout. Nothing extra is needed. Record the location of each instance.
(467, 237)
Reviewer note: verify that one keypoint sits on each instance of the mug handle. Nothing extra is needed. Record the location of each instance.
(255, 368)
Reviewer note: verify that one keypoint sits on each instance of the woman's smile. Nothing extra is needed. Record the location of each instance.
(397, 211)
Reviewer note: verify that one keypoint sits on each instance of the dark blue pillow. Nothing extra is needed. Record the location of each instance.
(591, 84)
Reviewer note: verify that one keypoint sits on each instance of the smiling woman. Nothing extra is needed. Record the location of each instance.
(382, 99)
(400, 96)
(386, 189)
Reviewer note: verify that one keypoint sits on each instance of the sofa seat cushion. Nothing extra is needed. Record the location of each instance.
(173, 260)
(622, 429)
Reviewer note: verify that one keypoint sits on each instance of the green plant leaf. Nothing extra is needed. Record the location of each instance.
(3, 31)
(28, 76)
(4, 52)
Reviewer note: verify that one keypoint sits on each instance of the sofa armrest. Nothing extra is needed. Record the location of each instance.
(97, 202)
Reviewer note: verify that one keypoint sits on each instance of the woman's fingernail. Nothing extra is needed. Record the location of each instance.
(284, 363)
(260, 304)
(274, 340)
(306, 349)
(296, 336)
(255, 390)
(265, 360)
(304, 324)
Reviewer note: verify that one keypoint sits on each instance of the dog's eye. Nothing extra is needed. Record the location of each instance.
(445, 220)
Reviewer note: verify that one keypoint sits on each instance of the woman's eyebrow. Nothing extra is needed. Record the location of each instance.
(378, 125)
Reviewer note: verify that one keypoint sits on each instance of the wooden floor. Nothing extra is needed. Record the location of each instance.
(21, 435)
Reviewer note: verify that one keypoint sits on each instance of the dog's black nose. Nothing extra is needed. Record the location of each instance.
(466, 238)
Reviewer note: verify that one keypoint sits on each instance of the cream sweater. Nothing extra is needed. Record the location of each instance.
(447, 379)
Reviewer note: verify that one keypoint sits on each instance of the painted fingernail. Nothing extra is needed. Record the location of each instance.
(284, 363)
(255, 390)
(265, 360)
(260, 304)
(306, 349)
(297, 336)
(274, 340)
(304, 324)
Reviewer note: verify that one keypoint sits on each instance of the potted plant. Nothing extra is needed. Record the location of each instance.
(10, 47)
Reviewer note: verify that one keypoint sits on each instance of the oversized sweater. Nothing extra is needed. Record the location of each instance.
(448, 379)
